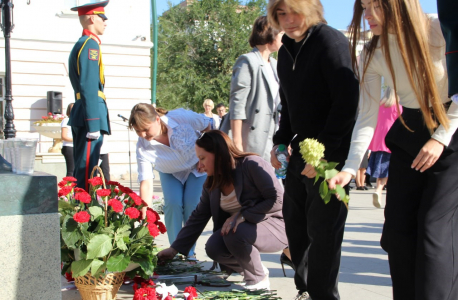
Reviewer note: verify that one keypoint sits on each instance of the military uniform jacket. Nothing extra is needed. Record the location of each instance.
(87, 78)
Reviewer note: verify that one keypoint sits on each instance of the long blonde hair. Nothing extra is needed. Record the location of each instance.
(409, 23)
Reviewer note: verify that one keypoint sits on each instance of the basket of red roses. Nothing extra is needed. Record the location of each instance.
(104, 236)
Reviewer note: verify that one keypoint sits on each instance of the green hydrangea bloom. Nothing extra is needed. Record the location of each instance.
(312, 151)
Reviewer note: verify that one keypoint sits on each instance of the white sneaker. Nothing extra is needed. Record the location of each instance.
(376, 197)
(303, 296)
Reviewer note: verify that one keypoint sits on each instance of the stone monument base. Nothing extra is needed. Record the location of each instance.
(30, 246)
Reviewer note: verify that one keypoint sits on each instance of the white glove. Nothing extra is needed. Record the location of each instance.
(389, 98)
(93, 135)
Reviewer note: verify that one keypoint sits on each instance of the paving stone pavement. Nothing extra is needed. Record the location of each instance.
(364, 272)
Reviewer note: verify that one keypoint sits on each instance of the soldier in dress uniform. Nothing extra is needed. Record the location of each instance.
(89, 117)
(448, 11)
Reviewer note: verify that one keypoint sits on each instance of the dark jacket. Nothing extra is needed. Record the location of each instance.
(259, 193)
(447, 10)
(319, 92)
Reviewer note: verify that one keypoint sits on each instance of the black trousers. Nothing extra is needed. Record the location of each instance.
(67, 152)
(105, 165)
(315, 233)
(420, 232)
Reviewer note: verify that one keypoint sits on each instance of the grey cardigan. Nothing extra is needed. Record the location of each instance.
(259, 193)
(251, 100)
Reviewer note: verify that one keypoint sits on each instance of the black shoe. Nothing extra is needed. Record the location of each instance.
(365, 188)
(360, 188)
(285, 260)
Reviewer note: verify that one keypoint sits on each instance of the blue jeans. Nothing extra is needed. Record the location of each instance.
(180, 200)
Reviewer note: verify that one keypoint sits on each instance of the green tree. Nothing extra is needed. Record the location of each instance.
(197, 47)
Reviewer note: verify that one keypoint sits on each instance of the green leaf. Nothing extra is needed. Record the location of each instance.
(99, 246)
(64, 205)
(327, 198)
(330, 173)
(346, 199)
(81, 267)
(143, 231)
(95, 211)
(118, 263)
(97, 267)
(123, 231)
(316, 178)
(147, 266)
(70, 232)
(120, 243)
(323, 189)
(331, 165)
(107, 230)
(341, 191)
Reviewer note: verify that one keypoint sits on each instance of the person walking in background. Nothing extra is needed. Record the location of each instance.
(420, 231)
(168, 142)
(360, 179)
(208, 107)
(319, 97)
(380, 153)
(67, 142)
(244, 199)
(221, 111)
(254, 93)
(89, 117)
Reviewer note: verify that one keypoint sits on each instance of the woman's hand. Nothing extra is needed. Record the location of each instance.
(342, 178)
(309, 171)
(232, 221)
(167, 254)
(428, 155)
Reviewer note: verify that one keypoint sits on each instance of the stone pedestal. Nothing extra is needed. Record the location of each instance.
(30, 240)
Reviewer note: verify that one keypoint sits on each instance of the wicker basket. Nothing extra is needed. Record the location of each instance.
(103, 288)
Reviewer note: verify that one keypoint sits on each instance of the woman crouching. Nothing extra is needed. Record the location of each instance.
(245, 200)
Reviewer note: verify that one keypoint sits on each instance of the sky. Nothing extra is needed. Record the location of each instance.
(338, 13)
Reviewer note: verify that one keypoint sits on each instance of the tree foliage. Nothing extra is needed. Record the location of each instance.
(197, 47)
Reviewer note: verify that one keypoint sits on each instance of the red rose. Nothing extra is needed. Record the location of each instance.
(50, 114)
(69, 178)
(145, 293)
(168, 297)
(157, 216)
(79, 190)
(64, 191)
(153, 231)
(104, 192)
(62, 184)
(150, 216)
(161, 226)
(191, 291)
(132, 212)
(83, 197)
(73, 184)
(95, 181)
(113, 183)
(136, 198)
(82, 217)
(116, 205)
(116, 191)
(125, 190)
(69, 277)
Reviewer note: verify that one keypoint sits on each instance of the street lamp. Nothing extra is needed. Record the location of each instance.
(7, 25)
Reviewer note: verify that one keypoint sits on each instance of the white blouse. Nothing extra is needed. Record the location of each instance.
(370, 94)
(183, 129)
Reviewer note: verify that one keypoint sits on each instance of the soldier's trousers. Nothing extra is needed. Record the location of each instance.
(86, 153)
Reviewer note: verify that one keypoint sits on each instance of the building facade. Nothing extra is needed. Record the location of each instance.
(43, 36)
